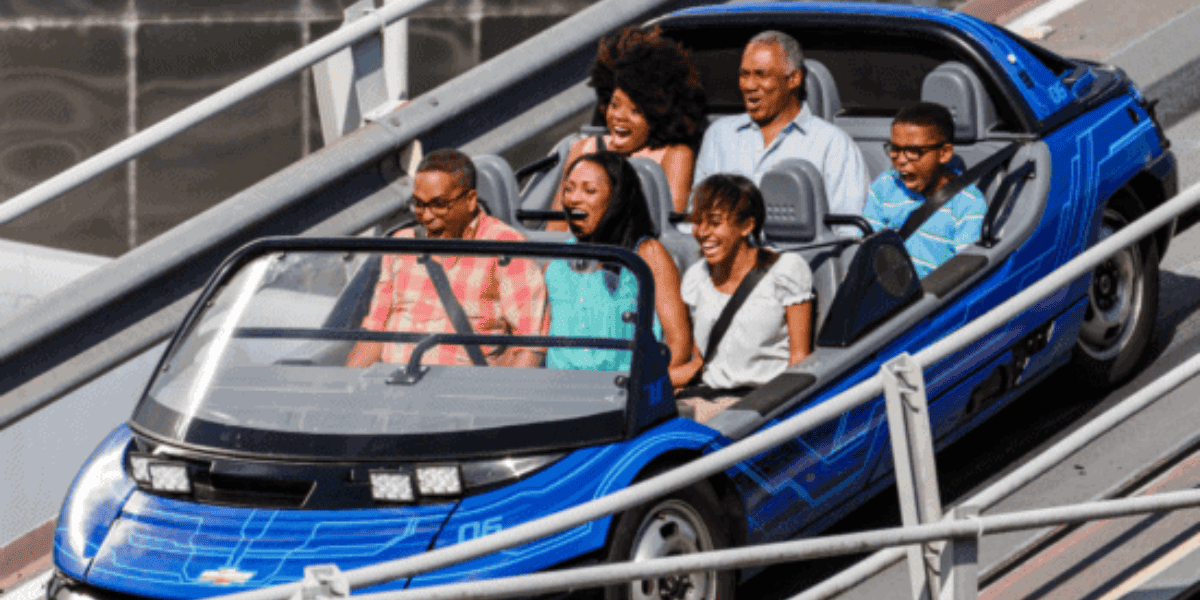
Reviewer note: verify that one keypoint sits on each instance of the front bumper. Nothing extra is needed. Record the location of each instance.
(62, 587)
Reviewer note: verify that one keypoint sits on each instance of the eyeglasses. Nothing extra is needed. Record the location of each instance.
(910, 152)
(437, 206)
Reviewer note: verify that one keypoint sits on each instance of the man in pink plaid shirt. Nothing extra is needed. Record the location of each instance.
(508, 299)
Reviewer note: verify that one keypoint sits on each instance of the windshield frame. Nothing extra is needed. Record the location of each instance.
(151, 420)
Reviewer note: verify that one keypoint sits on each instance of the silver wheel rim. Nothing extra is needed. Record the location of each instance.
(1114, 298)
(673, 528)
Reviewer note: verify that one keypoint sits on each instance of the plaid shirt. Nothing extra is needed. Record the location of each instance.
(498, 300)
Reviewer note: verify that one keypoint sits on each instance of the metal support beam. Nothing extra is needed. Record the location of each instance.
(365, 80)
(960, 558)
(916, 471)
(501, 139)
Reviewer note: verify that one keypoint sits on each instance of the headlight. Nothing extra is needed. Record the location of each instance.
(170, 477)
(408, 483)
(486, 473)
(155, 473)
(139, 467)
(439, 480)
(392, 486)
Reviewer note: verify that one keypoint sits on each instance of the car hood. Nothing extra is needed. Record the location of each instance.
(166, 548)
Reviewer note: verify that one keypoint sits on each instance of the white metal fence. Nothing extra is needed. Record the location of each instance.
(963, 532)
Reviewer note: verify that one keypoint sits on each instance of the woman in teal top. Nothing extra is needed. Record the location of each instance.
(588, 301)
(604, 193)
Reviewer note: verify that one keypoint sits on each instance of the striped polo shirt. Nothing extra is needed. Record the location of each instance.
(956, 225)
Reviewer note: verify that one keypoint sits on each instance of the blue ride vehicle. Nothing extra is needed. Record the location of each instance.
(255, 452)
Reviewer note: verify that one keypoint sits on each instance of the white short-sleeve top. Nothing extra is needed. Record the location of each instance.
(756, 346)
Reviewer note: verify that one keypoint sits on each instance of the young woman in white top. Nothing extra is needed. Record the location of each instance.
(772, 329)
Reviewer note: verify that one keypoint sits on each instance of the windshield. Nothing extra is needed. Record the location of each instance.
(357, 355)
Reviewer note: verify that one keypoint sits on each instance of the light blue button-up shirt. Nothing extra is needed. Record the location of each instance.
(735, 145)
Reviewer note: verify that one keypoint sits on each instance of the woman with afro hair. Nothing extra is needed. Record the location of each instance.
(652, 101)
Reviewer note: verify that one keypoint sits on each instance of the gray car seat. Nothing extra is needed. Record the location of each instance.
(955, 86)
(682, 246)
(794, 193)
(821, 92)
(497, 187)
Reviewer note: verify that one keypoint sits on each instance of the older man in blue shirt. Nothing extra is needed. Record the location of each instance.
(778, 125)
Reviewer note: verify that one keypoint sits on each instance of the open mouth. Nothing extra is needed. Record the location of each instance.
(621, 134)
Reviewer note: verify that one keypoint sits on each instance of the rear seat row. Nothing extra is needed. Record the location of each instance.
(794, 190)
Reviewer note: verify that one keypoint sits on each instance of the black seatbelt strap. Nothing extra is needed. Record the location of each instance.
(939, 198)
(749, 282)
(454, 310)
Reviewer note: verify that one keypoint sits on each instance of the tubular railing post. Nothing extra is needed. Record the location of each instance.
(960, 559)
(916, 471)
(323, 582)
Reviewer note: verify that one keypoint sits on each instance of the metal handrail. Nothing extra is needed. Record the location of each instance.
(175, 124)
(768, 554)
(757, 443)
(1034, 467)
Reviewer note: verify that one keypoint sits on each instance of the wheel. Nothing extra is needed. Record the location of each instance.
(1122, 305)
(684, 522)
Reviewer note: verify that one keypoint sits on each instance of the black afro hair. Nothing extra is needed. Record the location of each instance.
(657, 74)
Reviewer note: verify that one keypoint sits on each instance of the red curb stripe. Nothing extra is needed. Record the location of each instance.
(26, 554)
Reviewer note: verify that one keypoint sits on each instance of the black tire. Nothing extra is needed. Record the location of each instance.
(1122, 304)
(682, 522)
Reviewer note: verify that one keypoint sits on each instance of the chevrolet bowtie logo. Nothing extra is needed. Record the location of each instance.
(225, 576)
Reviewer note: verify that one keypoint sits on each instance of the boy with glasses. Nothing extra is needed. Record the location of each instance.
(496, 298)
(924, 161)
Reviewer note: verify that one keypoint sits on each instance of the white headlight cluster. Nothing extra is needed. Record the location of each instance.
(441, 480)
(403, 485)
(168, 476)
(140, 465)
(392, 486)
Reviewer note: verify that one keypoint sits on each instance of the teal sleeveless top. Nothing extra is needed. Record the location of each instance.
(591, 304)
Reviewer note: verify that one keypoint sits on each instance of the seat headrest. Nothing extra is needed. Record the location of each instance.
(794, 194)
(497, 187)
(657, 190)
(955, 86)
(820, 90)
